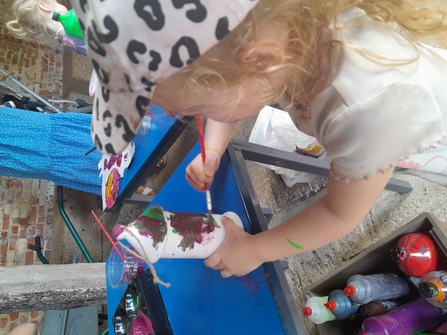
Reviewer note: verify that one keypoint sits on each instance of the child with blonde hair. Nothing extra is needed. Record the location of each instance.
(351, 73)
(35, 18)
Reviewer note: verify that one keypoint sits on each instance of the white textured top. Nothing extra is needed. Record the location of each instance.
(370, 116)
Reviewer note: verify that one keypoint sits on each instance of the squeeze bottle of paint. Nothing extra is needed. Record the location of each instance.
(316, 312)
(433, 287)
(70, 23)
(409, 319)
(376, 308)
(163, 234)
(382, 286)
(415, 254)
(340, 305)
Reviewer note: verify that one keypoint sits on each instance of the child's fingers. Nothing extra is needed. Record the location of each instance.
(194, 184)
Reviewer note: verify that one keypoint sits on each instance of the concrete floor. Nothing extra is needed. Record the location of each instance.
(390, 212)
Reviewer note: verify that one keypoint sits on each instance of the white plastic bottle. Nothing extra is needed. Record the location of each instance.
(316, 312)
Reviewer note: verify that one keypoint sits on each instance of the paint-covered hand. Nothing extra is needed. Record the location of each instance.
(198, 173)
(237, 255)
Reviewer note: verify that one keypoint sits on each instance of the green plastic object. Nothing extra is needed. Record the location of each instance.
(70, 23)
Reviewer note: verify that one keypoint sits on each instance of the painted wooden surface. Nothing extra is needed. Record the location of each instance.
(199, 300)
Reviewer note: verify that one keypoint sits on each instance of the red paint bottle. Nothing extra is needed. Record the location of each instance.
(415, 254)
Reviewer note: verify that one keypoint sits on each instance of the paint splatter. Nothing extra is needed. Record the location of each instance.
(152, 222)
(193, 228)
(293, 244)
(249, 282)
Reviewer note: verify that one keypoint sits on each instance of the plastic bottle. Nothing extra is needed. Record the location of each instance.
(316, 312)
(382, 286)
(409, 319)
(146, 124)
(376, 308)
(415, 254)
(433, 287)
(340, 305)
(70, 23)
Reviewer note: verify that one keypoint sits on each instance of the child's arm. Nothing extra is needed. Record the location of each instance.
(331, 217)
(217, 137)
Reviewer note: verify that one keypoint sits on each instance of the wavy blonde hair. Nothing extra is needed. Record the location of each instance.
(304, 23)
(28, 21)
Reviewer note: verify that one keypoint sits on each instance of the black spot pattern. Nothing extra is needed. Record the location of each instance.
(98, 143)
(109, 149)
(97, 109)
(193, 51)
(222, 28)
(100, 73)
(141, 103)
(94, 44)
(120, 121)
(111, 26)
(108, 130)
(148, 84)
(155, 23)
(133, 47)
(82, 4)
(82, 25)
(156, 59)
(195, 15)
(105, 93)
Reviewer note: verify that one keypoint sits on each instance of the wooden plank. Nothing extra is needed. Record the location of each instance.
(57, 234)
(77, 207)
(49, 287)
(54, 323)
(82, 321)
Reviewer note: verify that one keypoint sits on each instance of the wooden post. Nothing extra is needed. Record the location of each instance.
(45, 287)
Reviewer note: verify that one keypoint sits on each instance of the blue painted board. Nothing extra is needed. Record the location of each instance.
(145, 146)
(199, 300)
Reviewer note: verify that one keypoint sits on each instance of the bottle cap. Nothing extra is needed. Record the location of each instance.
(56, 16)
(307, 311)
(331, 305)
(349, 290)
(428, 290)
(399, 254)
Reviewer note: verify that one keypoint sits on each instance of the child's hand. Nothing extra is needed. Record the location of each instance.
(237, 255)
(198, 173)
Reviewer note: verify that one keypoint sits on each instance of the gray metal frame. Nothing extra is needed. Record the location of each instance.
(266, 155)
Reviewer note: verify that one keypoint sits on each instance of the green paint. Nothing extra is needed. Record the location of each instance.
(175, 231)
(294, 244)
(154, 212)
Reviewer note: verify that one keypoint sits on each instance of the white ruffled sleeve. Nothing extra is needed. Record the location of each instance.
(375, 134)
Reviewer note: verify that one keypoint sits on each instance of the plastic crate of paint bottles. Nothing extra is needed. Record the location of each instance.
(380, 258)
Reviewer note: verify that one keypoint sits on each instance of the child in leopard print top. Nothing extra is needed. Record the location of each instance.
(349, 72)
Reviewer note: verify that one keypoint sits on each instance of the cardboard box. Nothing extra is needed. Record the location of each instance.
(376, 259)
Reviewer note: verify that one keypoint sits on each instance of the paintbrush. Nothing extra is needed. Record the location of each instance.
(209, 206)
(104, 230)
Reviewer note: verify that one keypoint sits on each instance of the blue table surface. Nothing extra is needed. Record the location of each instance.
(199, 300)
(145, 145)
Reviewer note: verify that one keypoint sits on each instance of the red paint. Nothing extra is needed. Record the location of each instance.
(415, 254)
(249, 282)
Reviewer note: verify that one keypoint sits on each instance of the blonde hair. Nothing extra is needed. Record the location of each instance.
(28, 20)
(304, 23)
